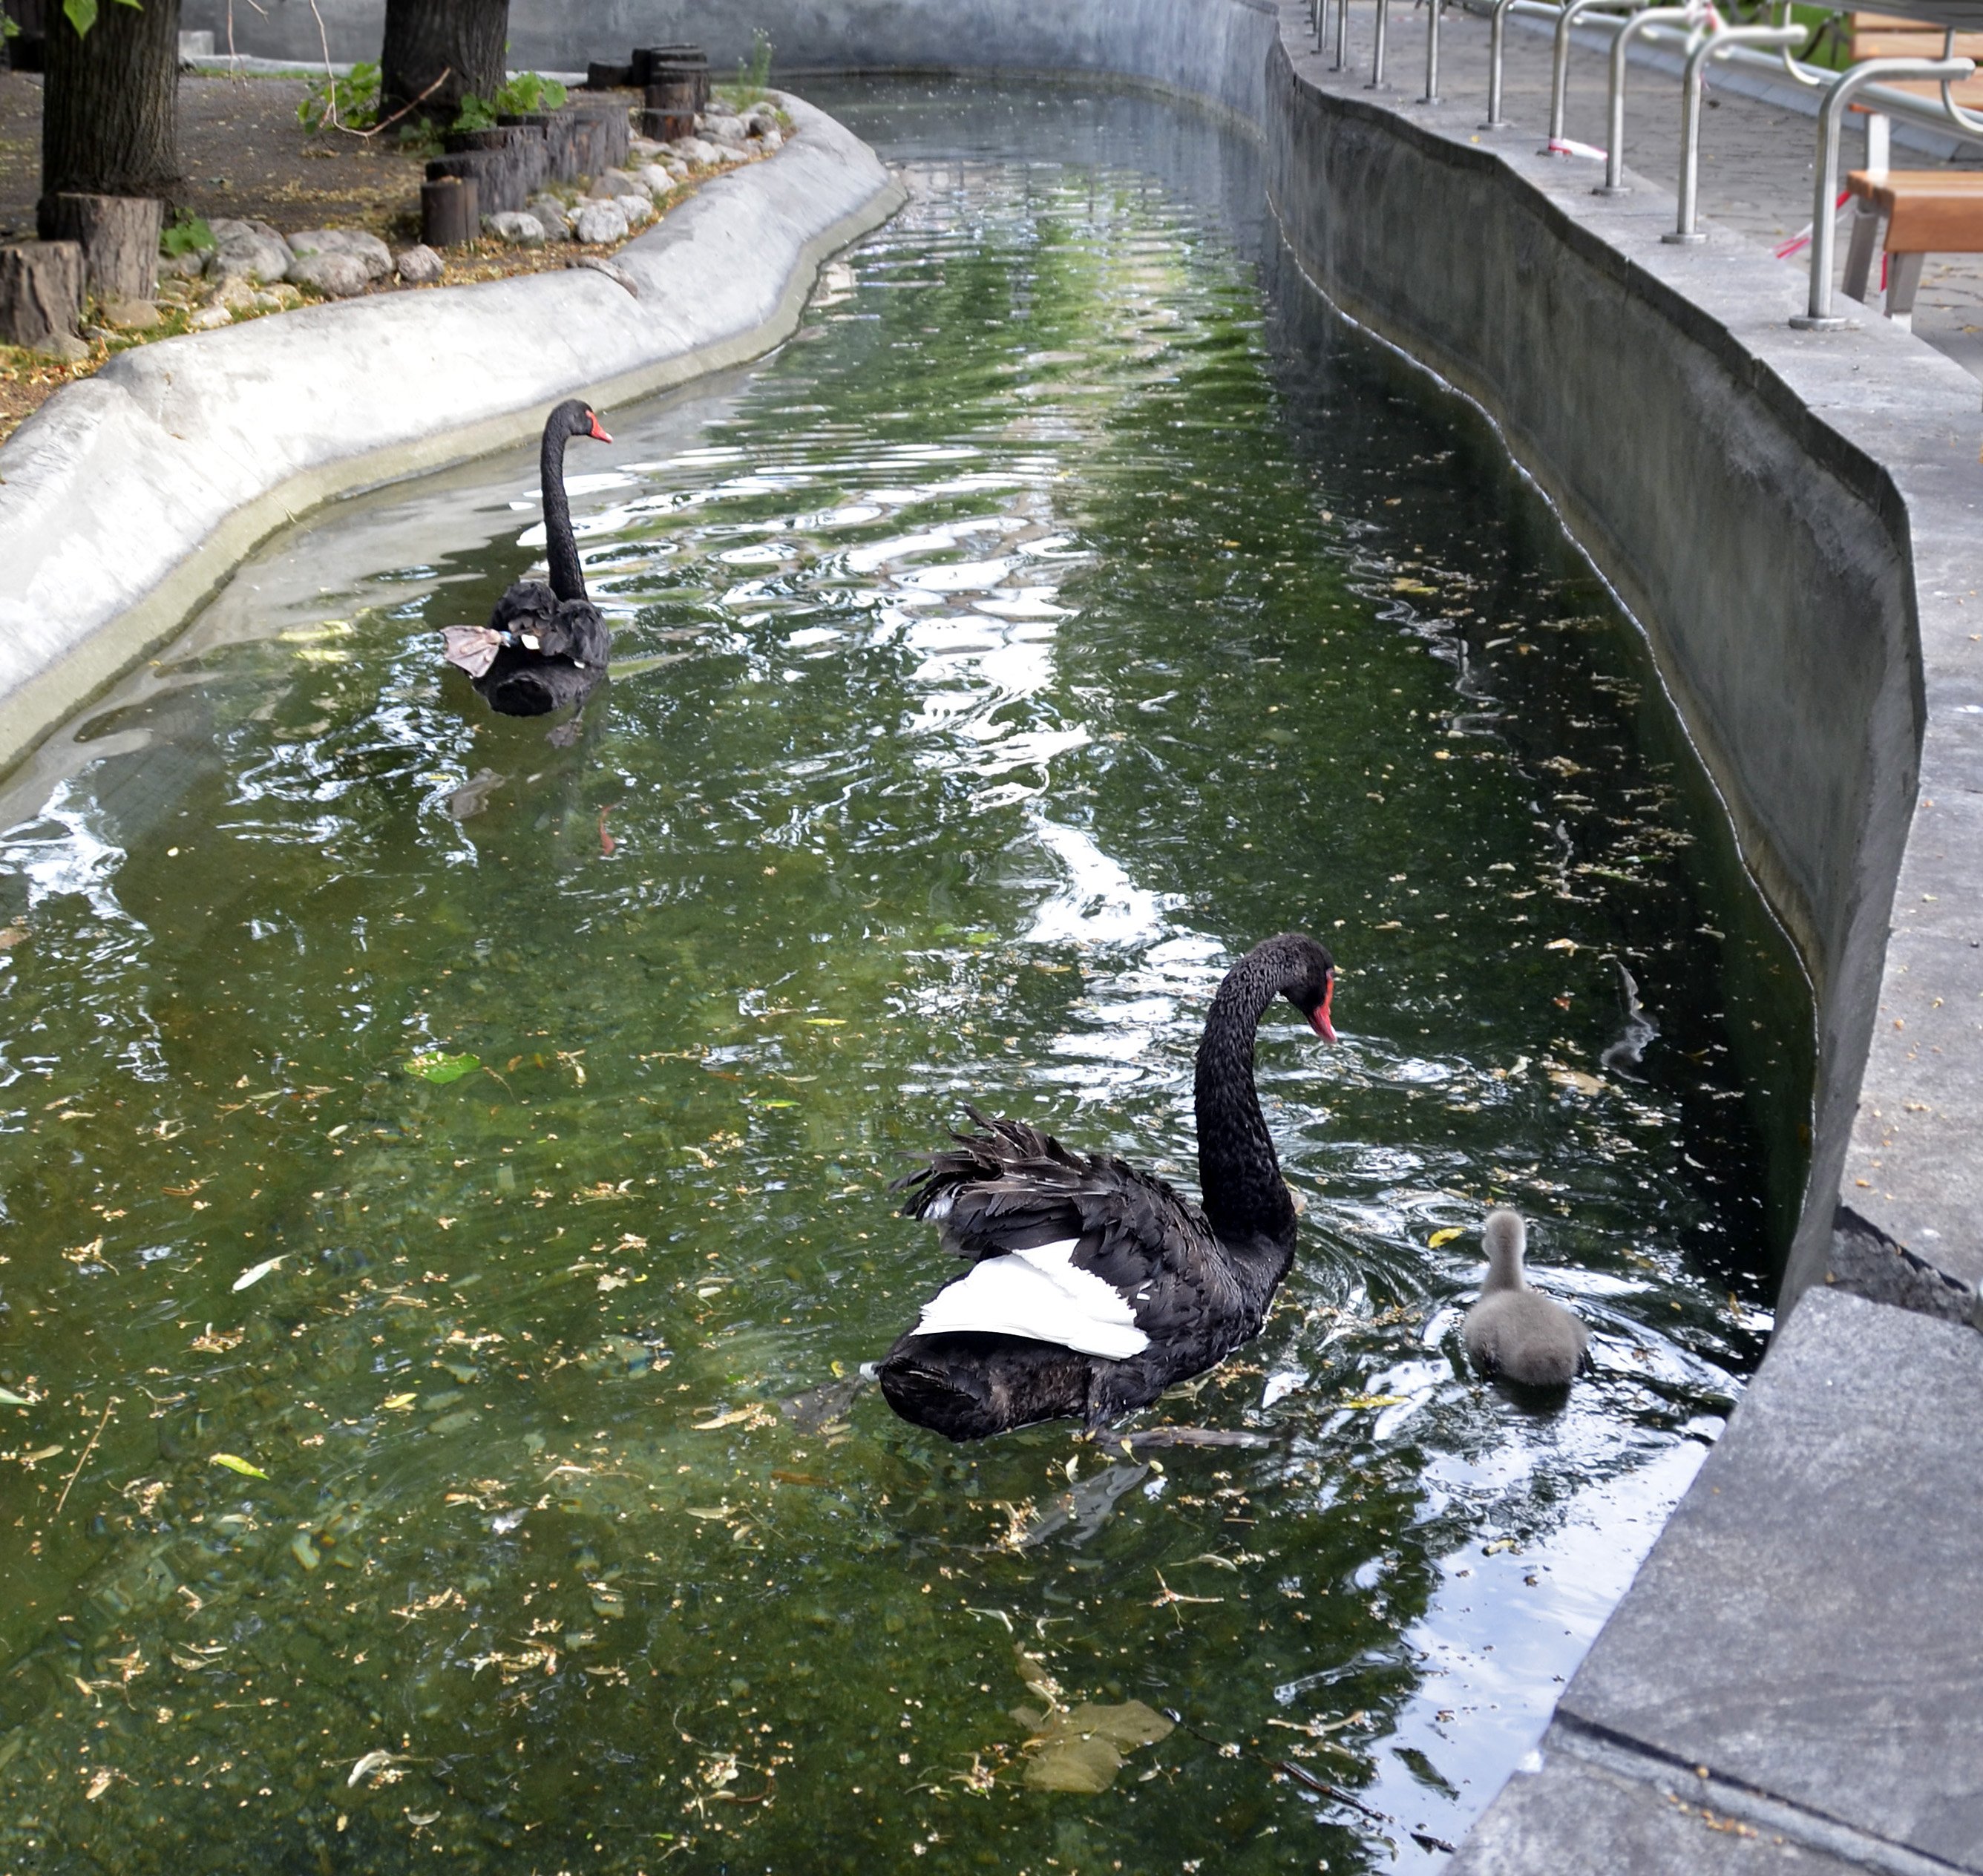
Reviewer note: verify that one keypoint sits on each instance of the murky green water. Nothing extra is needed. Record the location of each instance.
(1055, 618)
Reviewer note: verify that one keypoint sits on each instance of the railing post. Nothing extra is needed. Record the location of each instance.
(1342, 36)
(1377, 48)
(1614, 183)
(1559, 68)
(1432, 52)
(1497, 37)
(1817, 315)
(1685, 233)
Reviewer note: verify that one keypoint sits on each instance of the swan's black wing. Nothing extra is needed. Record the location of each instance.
(1006, 1187)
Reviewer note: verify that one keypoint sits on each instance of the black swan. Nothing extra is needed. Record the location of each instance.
(544, 646)
(1093, 1285)
(1512, 1333)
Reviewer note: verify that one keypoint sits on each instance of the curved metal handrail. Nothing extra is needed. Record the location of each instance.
(1794, 68)
(1497, 37)
(1967, 118)
(1818, 315)
(1694, 13)
(1716, 44)
(1571, 13)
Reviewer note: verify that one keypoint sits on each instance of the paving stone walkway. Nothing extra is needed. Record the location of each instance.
(1758, 157)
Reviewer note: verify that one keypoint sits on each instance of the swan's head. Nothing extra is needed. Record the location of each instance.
(1308, 979)
(574, 417)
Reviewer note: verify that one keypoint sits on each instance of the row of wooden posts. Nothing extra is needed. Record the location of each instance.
(487, 171)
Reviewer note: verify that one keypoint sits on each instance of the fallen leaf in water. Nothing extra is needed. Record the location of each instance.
(755, 1415)
(1560, 944)
(31, 1460)
(234, 1464)
(9, 1399)
(1576, 1081)
(1445, 1236)
(256, 1272)
(707, 1513)
(1359, 1401)
(441, 1068)
(378, 1766)
(100, 1784)
(1080, 1748)
(399, 1403)
(11, 935)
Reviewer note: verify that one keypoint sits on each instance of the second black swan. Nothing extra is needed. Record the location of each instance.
(544, 647)
(1093, 1287)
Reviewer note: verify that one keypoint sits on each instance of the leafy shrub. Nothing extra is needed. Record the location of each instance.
(353, 101)
(188, 235)
(530, 91)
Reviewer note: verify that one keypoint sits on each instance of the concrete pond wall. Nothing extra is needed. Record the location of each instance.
(1793, 519)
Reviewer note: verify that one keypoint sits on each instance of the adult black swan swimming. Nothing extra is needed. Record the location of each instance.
(1093, 1285)
(544, 647)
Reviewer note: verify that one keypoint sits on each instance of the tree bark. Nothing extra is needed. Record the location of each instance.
(110, 123)
(41, 291)
(464, 39)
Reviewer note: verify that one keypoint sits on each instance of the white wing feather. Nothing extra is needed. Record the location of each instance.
(1039, 1295)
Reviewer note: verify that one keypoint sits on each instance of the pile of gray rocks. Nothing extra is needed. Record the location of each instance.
(253, 268)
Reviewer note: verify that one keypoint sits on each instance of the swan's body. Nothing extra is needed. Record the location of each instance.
(1093, 1287)
(1512, 1333)
(544, 647)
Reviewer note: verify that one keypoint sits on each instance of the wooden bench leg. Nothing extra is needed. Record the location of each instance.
(1904, 273)
(1859, 252)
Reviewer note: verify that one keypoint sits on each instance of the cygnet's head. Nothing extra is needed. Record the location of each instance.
(1505, 1239)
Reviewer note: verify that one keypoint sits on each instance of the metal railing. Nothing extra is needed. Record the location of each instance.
(1714, 45)
(1817, 315)
(1870, 84)
(1692, 17)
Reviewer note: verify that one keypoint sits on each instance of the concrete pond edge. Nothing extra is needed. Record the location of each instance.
(130, 496)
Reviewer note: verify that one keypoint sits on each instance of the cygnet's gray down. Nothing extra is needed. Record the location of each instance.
(1512, 1333)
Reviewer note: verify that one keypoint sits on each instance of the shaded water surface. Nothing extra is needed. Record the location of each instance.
(445, 1173)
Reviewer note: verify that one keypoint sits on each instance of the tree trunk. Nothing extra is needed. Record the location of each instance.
(110, 123)
(119, 235)
(464, 39)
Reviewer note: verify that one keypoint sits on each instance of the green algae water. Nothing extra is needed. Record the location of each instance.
(445, 1173)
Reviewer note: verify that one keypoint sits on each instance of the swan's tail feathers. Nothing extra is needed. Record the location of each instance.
(931, 1388)
(473, 647)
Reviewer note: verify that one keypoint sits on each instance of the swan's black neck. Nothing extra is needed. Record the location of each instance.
(567, 577)
(1246, 1201)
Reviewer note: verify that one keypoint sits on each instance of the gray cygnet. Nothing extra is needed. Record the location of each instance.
(1512, 1333)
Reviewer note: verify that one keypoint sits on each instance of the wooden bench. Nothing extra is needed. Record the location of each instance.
(1927, 212)
(1882, 35)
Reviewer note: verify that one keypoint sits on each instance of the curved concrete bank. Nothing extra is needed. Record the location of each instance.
(129, 495)
(1794, 519)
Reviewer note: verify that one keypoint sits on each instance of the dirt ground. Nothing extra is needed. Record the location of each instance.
(245, 156)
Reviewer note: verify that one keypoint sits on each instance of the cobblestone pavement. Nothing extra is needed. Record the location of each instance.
(1758, 159)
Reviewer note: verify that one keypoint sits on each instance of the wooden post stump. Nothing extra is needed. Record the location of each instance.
(119, 236)
(451, 212)
(607, 78)
(41, 291)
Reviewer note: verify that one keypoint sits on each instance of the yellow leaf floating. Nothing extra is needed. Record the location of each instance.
(1445, 1236)
(399, 1403)
(1561, 944)
(234, 1464)
(1576, 1081)
(1080, 1748)
(1359, 1401)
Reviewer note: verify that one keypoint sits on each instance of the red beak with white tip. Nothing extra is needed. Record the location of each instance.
(598, 435)
(1318, 1021)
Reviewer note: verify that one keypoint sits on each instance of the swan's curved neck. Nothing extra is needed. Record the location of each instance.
(1245, 1198)
(567, 577)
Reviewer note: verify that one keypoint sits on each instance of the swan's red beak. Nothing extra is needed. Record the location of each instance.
(1319, 1021)
(598, 435)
